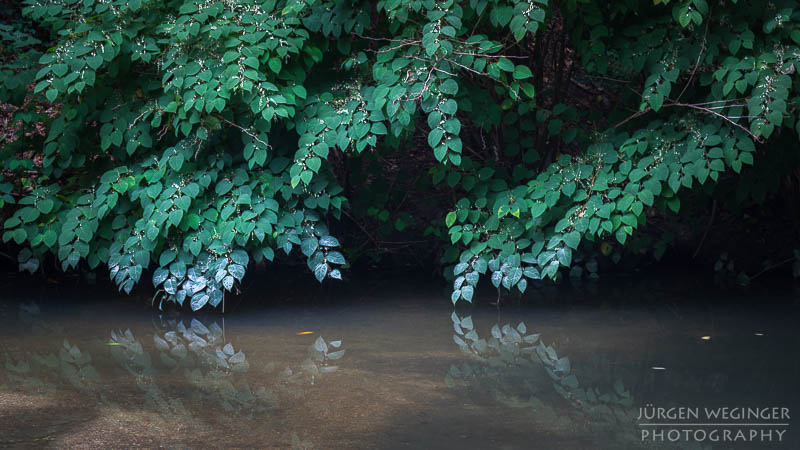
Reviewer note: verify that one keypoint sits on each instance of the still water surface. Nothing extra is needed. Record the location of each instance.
(391, 369)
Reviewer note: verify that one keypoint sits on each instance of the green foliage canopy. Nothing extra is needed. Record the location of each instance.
(195, 136)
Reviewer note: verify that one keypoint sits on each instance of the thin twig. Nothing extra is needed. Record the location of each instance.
(245, 131)
(773, 266)
(696, 64)
(708, 227)
(632, 116)
(721, 116)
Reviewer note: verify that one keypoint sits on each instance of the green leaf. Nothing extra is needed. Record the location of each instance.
(450, 219)
(538, 209)
(275, 64)
(45, 205)
(328, 241)
(522, 72)
(646, 197)
(320, 271)
(50, 238)
(60, 69)
(309, 246)
(572, 239)
(467, 292)
(449, 87)
(314, 164)
(176, 162)
(223, 187)
(656, 100)
(435, 136)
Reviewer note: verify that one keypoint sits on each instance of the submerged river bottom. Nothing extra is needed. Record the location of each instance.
(644, 365)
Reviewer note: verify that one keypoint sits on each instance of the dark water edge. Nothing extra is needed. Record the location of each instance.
(567, 366)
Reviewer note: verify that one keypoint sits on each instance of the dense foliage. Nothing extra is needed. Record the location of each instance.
(197, 136)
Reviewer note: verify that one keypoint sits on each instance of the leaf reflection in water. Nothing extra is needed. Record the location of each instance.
(188, 375)
(512, 364)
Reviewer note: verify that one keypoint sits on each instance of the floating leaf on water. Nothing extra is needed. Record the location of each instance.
(522, 328)
(320, 345)
(496, 332)
(198, 327)
(336, 355)
(336, 344)
(329, 369)
(228, 349)
(467, 323)
(303, 333)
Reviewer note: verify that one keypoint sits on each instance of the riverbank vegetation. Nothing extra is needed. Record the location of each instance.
(186, 141)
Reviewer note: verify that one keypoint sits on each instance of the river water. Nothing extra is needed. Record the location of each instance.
(567, 368)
